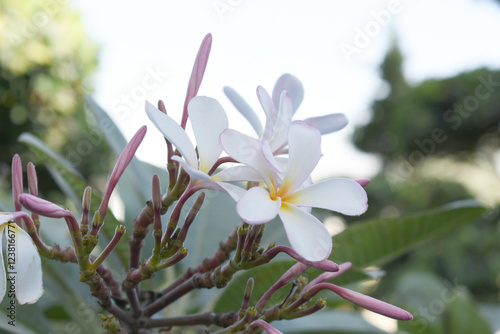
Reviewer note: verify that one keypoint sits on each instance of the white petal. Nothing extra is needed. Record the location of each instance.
(238, 173)
(174, 133)
(194, 173)
(244, 109)
(268, 155)
(5, 217)
(208, 119)
(234, 191)
(28, 267)
(271, 113)
(248, 151)
(3, 282)
(307, 235)
(304, 142)
(284, 119)
(328, 123)
(257, 207)
(294, 88)
(341, 195)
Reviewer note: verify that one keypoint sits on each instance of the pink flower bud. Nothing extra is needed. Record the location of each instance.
(197, 74)
(369, 303)
(363, 182)
(121, 164)
(17, 180)
(325, 265)
(268, 328)
(43, 207)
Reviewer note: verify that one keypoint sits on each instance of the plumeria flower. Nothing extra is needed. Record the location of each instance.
(287, 95)
(208, 120)
(24, 269)
(289, 196)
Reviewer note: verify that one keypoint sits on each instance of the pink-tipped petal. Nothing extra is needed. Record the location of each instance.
(199, 67)
(341, 195)
(284, 119)
(294, 88)
(209, 120)
(304, 142)
(244, 109)
(270, 110)
(328, 123)
(248, 151)
(42, 207)
(256, 207)
(174, 133)
(268, 155)
(370, 303)
(307, 235)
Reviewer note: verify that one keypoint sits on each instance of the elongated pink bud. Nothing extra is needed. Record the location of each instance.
(363, 182)
(197, 74)
(17, 180)
(156, 202)
(43, 207)
(286, 278)
(32, 179)
(121, 164)
(325, 265)
(328, 276)
(368, 302)
(268, 328)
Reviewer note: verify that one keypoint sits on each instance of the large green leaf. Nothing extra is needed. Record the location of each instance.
(438, 306)
(367, 243)
(376, 242)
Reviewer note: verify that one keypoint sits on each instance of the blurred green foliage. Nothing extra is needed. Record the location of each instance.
(45, 62)
(437, 141)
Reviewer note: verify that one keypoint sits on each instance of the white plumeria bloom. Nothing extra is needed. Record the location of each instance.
(208, 120)
(287, 95)
(24, 269)
(288, 196)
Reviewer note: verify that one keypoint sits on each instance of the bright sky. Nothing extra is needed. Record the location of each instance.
(254, 42)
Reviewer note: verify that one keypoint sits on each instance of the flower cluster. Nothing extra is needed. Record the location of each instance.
(277, 166)
(267, 176)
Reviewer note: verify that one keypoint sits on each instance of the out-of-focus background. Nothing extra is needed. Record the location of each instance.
(419, 81)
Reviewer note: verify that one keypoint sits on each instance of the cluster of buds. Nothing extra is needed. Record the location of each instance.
(275, 169)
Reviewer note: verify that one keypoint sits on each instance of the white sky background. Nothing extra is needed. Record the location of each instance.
(256, 41)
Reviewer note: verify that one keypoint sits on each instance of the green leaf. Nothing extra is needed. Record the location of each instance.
(69, 180)
(72, 183)
(139, 171)
(368, 243)
(328, 322)
(376, 242)
(438, 306)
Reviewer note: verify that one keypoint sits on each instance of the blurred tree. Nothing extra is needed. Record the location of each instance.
(437, 141)
(438, 116)
(45, 62)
